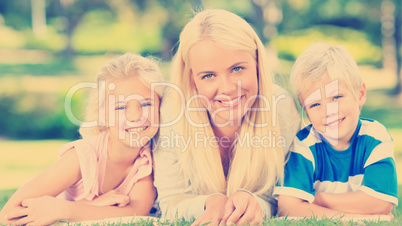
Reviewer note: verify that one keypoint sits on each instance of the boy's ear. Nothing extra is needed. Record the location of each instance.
(362, 95)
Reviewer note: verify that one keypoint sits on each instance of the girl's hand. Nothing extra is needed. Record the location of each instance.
(111, 198)
(214, 210)
(39, 211)
(242, 208)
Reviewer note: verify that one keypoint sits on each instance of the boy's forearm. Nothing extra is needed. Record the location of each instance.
(293, 207)
(353, 202)
(305, 209)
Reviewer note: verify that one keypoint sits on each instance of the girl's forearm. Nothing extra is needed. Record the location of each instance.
(353, 202)
(76, 211)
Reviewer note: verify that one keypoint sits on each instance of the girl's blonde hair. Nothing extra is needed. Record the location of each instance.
(118, 68)
(322, 59)
(255, 169)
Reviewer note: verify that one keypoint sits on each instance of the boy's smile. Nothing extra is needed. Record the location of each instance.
(334, 110)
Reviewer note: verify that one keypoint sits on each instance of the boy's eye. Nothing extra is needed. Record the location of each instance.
(236, 69)
(314, 105)
(208, 76)
(120, 108)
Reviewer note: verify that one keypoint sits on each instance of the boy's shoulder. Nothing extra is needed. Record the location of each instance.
(306, 138)
(307, 134)
(374, 129)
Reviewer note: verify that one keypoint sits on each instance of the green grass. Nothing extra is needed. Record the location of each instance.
(5, 194)
(22, 160)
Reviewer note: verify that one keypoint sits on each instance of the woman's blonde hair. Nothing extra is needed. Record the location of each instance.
(322, 59)
(118, 68)
(256, 169)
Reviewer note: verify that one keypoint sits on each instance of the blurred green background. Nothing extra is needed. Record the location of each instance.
(48, 46)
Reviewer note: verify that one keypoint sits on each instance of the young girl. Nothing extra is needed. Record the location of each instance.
(109, 172)
(231, 126)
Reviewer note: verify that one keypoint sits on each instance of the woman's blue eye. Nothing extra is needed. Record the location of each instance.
(314, 105)
(120, 107)
(145, 105)
(236, 69)
(208, 76)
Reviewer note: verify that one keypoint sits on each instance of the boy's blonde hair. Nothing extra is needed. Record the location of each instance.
(119, 68)
(322, 59)
(255, 169)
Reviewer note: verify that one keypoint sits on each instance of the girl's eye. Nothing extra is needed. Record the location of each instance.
(145, 105)
(337, 97)
(314, 105)
(120, 108)
(236, 69)
(208, 76)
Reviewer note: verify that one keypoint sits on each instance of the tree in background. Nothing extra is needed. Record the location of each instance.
(73, 12)
(269, 17)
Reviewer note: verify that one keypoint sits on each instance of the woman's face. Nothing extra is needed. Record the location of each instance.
(225, 79)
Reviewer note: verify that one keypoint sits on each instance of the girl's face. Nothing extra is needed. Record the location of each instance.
(132, 113)
(225, 79)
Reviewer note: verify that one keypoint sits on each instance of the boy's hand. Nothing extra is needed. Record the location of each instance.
(319, 199)
(39, 211)
(391, 216)
(214, 210)
(242, 208)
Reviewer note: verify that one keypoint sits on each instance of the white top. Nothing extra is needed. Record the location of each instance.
(175, 197)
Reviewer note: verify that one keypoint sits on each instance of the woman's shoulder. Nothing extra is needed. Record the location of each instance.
(283, 98)
(278, 90)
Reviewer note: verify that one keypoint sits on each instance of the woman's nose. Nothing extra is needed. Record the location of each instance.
(227, 85)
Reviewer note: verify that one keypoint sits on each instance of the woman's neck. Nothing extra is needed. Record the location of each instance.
(225, 138)
(225, 133)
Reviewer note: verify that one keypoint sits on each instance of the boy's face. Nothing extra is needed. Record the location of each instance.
(334, 110)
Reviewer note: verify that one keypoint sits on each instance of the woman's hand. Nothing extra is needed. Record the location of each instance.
(110, 198)
(242, 208)
(40, 211)
(214, 210)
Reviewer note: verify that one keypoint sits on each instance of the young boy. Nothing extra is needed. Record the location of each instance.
(340, 165)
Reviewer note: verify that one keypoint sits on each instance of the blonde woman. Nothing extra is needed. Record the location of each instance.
(225, 127)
